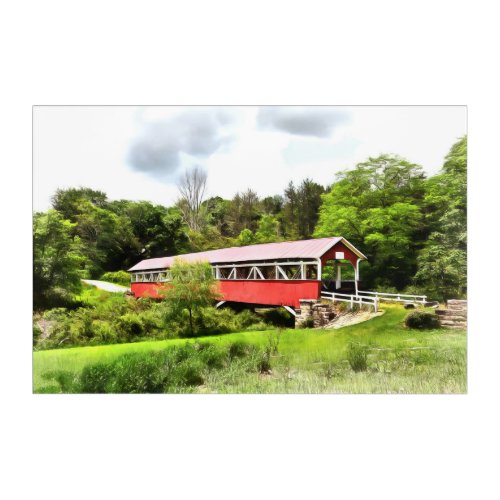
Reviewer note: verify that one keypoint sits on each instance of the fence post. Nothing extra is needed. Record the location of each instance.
(352, 302)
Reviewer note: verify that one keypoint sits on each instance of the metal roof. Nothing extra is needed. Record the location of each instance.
(303, 249)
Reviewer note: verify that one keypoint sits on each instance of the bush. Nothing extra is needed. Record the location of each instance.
(421, 320)
(278, 316)
(357, 355)
(130, 325)
(94, 378)
(118, 277)
(239, 349)
(67, 380)
(170, 370)
(307, 323)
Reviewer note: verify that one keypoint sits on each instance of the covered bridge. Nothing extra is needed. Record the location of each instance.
(268, 274)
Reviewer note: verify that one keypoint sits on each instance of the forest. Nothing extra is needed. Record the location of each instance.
(412, 228)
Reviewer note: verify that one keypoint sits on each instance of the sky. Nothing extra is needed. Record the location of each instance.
(140, 152)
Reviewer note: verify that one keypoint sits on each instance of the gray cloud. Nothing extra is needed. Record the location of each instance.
(301, 120)
(157, 151)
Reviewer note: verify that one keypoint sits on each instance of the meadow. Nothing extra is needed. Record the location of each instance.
(399, 360)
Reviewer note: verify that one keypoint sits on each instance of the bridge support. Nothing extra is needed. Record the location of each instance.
(291, 310)
(314, 311)
(219, 304)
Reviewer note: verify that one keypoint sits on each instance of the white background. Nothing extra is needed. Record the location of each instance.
(222, 52)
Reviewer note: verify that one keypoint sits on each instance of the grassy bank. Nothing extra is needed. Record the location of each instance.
(314, 361)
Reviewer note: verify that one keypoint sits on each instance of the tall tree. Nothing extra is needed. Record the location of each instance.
(442, 264)
(69, 201)
(378, 207)
(192, 188)
(56, 260)
(244, 212)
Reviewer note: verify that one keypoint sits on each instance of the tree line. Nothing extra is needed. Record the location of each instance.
(411, 227)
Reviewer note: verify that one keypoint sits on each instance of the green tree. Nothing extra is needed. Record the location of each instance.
(301, 209)
(244, 212)
(158, 230)
(268, 229)
(56, 261)
(192, 288)
(442, 264)
(246, 237)
(108, 242)
(378, 207)
(68, 201)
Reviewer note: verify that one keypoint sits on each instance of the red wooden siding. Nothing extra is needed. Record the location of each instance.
(146, 290)
(340, 247)
(270, 292)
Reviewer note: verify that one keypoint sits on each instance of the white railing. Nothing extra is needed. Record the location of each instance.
(397, 297)
(351, 299)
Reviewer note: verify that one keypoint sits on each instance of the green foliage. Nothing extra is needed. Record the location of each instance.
(268, 230)
(277, 316)
(422, 320)
(378, 207)
(118, 277)
(170, 370)
(442, 264)
(301, 208)
(434, 361)
(130, 325)
(357, 355)
(307, 323)
(191, 288)
(246, 237)
(56, 262)
(103, 318)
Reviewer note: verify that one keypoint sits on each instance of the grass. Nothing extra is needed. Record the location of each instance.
(314, 361)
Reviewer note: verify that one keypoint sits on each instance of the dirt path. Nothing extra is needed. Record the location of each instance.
(351, 318)
(108, 287)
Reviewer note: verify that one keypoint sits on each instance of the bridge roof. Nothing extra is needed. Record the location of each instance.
(303, 249)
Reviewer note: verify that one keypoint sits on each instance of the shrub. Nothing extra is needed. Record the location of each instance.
(67, 380)
(130, 325)
(421, 320)
(104, 333)
(278, 316)
(37, 331)
(265, 362)
(118, 277)
(307, 323)
(171, 370)
(94, 378)
(357, 355)
(238, 349)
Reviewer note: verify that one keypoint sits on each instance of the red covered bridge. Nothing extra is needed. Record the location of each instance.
(267, 274)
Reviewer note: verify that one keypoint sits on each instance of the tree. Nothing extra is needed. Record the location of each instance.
(158, 230)
(268, 230)
(378, 207)
(442, 264)
(56, 262)
(192, 190)
(244, 212)
(68, 201)
(301, 208)
(192, 287)
(107, 239)
(246, 237)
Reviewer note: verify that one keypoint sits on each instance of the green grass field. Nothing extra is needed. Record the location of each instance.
(314, 361)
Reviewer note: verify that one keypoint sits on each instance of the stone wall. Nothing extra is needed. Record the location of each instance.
(321, 314)
(455, 314)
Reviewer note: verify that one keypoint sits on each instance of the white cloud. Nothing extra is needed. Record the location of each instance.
(89, 146)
